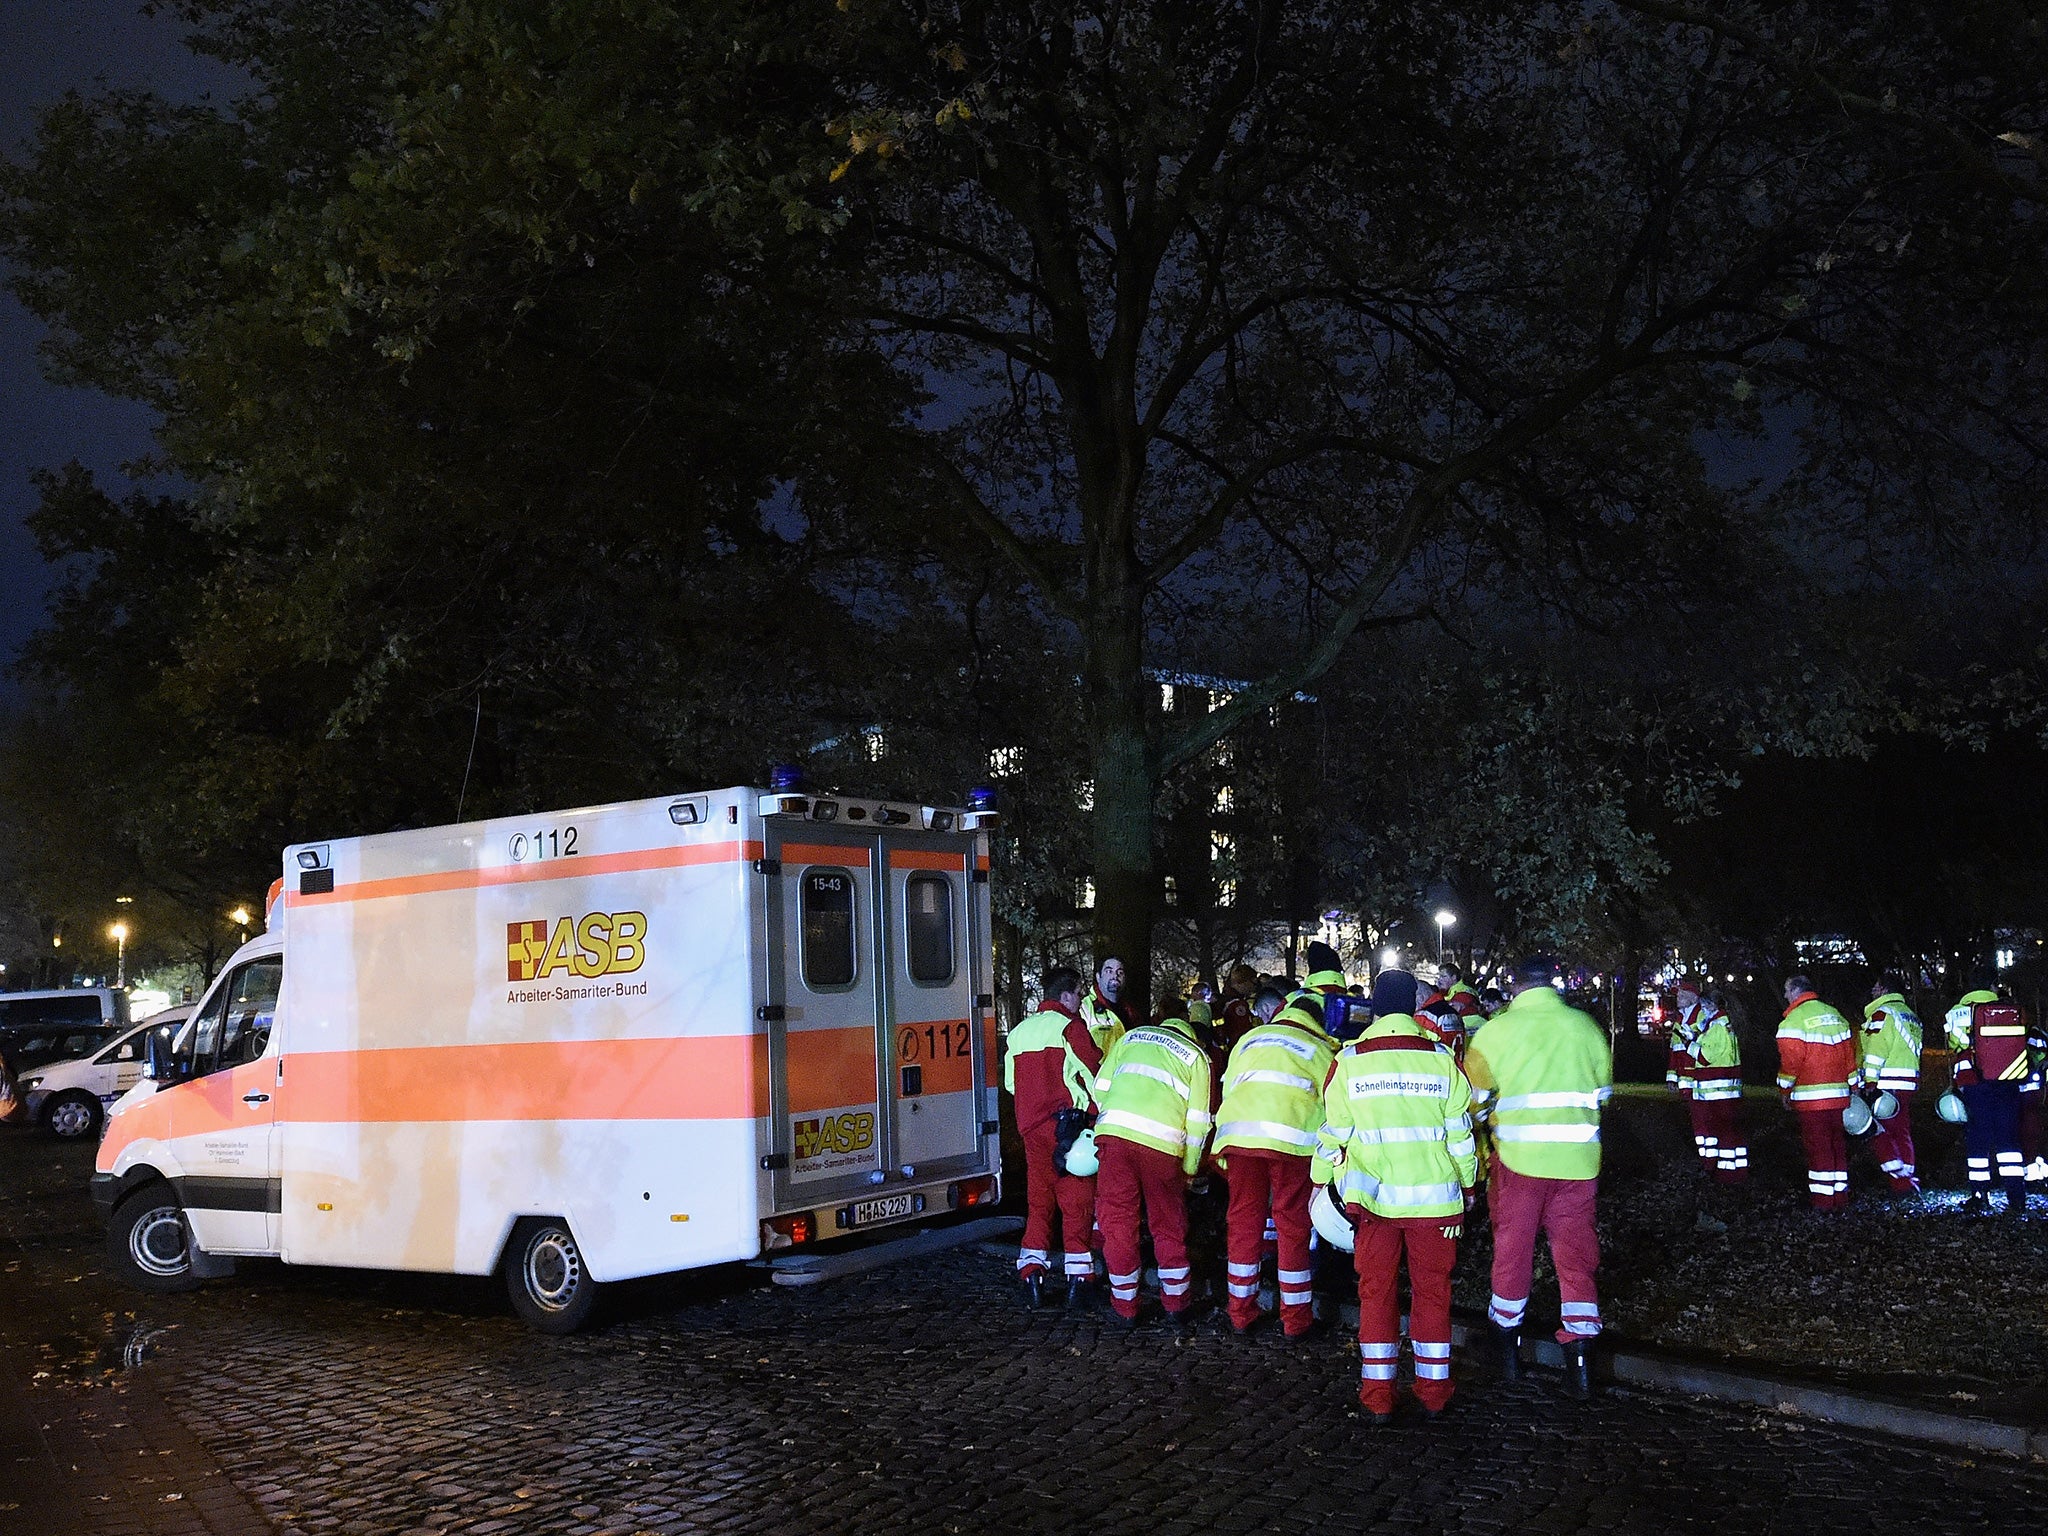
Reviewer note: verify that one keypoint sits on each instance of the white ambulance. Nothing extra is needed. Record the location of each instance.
(579, 1047)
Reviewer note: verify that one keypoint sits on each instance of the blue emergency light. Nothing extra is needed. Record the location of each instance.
(785, 779)
(981, 798)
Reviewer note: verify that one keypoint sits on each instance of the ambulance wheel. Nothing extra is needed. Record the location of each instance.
(545, 1274)
(73, 1116)
(149, 1242)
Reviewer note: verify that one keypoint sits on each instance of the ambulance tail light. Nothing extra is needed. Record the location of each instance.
(788, 1231)
(972, 1192)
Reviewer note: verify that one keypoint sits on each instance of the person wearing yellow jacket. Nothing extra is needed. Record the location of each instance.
(1103, 1009)
(1540, 1072)
(1152, 1123)
(1396, 1143)
(1892, 1038)
(1265, 1136)
(1705, 1039)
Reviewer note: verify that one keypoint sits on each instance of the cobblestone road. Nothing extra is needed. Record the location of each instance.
(917, 1399)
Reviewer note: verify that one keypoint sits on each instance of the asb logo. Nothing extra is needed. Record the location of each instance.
(830, 1134)
(595, 944)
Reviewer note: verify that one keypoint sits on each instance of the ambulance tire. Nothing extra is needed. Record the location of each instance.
(149, 1242)
(546, 1277)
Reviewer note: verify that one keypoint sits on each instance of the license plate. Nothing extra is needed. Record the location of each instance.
(888, 1208)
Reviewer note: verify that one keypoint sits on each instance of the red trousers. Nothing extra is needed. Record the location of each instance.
(1563, 1210)
(1056, 1204)
(1141, 1184)
(1432, 1248)
(1717, 1134)
(1893, 1144)
(1262, 1181)
(1827, 1157)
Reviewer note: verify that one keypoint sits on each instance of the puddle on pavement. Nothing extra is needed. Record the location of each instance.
(128, 1347)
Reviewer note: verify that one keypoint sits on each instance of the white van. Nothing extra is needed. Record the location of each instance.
(68, 1098)
(579, 1047)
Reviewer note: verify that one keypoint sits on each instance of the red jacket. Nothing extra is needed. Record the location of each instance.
(1036, 1069)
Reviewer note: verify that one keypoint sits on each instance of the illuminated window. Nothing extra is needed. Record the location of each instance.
(1224, 799)
(1004, 762)
(1084, 892)
(1166, 697)
(1226, 893)
(1172, 891)
(1222, 847)
(875, 744)
(1084, 797)
(1219, 698)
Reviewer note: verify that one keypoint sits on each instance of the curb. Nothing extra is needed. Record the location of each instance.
(1632, 1366)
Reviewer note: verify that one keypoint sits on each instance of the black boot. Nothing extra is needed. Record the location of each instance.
(1034, 1292)
(1507, 1347)
(1080, 1295)
(2015, 1198)
(1578, 1369)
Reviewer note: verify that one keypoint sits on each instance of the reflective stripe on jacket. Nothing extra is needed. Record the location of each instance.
(1892, 1038)
(1958, 1021)
(1273, 1087)
(1713, 1054)
(1817, 1057)
(1397, 1125)
(1540, 1072)
(1153, 1090)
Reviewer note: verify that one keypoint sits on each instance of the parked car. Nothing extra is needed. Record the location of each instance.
(69, 1099)
(37, 1028)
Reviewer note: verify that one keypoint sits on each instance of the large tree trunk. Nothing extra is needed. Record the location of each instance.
(1124, 876)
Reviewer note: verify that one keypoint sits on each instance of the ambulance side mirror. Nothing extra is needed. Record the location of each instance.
(160, 1062)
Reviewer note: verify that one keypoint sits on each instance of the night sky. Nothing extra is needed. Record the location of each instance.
(46, 48)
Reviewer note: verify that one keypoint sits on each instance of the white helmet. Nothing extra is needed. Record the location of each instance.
(1082, 1160)
(1331, 1224)
(1886, 1105)
(1856, 1117)
(1950, 1107)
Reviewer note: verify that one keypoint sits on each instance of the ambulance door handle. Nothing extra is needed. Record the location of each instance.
(255, 1098)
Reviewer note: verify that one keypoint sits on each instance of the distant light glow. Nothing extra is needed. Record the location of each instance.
(1389, 958)
(1446, 917)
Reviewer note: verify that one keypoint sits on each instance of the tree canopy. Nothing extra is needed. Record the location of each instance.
(579, 396)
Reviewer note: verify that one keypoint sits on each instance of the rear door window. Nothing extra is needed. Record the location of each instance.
(928, 925)
(825, 902)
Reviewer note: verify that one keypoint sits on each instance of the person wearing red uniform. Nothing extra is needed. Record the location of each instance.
(1266, 1123)
(1819, 1062)
(1049, 1065)
(1396, 1146)
(1541, 1072)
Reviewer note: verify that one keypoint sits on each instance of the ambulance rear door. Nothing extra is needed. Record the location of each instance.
(824, 991)
(934, 1002)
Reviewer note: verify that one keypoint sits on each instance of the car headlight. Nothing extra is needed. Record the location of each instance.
(33, 1080)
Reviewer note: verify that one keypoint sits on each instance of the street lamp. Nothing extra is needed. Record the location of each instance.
(1445, 917)
(1389, 959)
(119, 934)
(240, 918)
